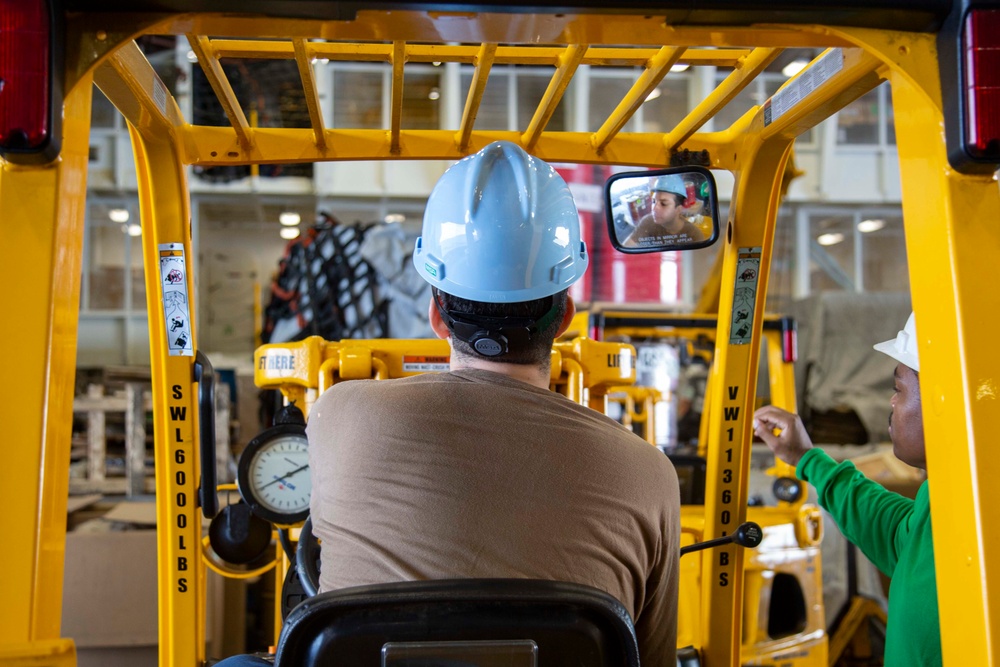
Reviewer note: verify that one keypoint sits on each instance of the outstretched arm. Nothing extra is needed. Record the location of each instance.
(871, 517)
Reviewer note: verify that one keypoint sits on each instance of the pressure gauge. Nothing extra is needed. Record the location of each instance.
(273, 473)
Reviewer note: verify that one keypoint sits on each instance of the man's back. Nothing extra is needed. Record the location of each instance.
(473, 474)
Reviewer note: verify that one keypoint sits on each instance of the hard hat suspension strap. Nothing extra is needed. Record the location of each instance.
(494, 336)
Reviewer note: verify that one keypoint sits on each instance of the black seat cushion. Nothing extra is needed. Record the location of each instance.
(572, 625)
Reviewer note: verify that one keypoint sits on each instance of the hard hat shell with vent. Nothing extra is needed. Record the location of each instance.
(501, 226)
(670, 183)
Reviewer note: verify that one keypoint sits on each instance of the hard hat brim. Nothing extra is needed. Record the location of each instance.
(889, 349)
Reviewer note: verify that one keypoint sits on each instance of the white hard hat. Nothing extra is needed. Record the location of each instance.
(903, 348)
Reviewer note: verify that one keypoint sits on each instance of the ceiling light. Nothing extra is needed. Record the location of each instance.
(321, 61)
(394, 218)
(866, 226)
(192, 56)
(436, 63)
(832, 238)
(119, 215)
(679, 67)
(434, 94)
(656, 92)
(134, 229)
(289, 233)
(290, 219)
(794, 67)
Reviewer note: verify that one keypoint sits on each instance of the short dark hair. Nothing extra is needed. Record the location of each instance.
(537, 351)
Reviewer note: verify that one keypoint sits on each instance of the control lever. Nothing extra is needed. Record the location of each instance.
(747, 534)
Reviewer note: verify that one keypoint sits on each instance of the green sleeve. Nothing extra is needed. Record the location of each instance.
(868, 515)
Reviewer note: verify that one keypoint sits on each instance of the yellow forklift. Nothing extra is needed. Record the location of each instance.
(939, 56)
(788, 595)
(783, 598)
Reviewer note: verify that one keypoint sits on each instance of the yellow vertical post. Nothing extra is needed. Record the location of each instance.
(747, 241)
(258, 316)
(254, 118)
(166, 247)
(781, 377)
(280, 571)
(41, 233)
(952, 242)
(952, 225)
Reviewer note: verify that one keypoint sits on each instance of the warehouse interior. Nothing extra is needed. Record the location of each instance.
(839, 269)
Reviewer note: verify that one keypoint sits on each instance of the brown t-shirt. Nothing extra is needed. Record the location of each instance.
(474, 474)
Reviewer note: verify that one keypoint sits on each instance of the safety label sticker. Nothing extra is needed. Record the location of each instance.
(744, 295)
(176, 305)
(800, 88)
(422, 364)
(160, 95)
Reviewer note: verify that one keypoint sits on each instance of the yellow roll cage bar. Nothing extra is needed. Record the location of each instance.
(952, 241)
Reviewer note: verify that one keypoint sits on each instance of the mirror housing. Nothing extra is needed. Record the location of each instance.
(662, 210)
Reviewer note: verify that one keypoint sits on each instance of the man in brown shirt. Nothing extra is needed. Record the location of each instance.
(483, 471)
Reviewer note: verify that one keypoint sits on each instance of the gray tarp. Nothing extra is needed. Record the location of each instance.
(837, 366)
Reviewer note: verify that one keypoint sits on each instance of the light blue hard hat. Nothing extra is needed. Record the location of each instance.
(501, 227)
(670, 183)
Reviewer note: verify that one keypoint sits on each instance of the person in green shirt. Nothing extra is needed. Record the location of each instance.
(892, 531)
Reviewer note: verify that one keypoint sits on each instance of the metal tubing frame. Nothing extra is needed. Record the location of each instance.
(164, 207)
(568, 62)
(655, 69)
(304, 64)
(733, 383)
(131, 84)
(950, 244)
(483, 63)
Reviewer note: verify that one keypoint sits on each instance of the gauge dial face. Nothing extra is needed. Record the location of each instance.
(275, 479)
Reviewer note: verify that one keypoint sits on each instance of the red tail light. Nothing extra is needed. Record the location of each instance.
(789, 340)
(25, 76)
(982, 83)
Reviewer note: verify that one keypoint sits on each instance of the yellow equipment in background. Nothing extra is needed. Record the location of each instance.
(584, 370)
(638, 406)
(784, 620)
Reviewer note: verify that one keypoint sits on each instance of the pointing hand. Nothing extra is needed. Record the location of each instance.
(783, 432)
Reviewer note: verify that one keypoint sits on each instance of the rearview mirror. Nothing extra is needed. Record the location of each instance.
(662, 209)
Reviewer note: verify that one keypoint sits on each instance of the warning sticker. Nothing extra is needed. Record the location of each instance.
(160, 95)
(419, 364)
(744, 295)
(809, 80)
(176, 306)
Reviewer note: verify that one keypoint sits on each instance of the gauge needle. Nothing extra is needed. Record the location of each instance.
(285, 476)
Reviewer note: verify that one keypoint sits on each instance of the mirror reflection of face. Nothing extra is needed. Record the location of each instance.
(665, 210)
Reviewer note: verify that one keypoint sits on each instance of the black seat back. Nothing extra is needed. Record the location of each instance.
(571, 624)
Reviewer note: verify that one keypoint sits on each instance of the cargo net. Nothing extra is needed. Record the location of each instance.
(324, 287)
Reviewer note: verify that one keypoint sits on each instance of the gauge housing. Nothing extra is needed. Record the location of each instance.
(250, 468)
